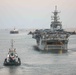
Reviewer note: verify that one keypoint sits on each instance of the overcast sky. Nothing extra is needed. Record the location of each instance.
(36, 13)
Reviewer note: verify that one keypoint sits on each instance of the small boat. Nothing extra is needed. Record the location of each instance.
(12, 58)
(15, 31)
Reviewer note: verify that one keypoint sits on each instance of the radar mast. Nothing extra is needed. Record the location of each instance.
(55, 24)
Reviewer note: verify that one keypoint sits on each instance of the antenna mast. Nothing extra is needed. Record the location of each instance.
(12, 43)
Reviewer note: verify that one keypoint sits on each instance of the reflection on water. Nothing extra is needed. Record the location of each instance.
(13, 70)
(10, 70)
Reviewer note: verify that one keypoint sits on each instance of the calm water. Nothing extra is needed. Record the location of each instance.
(35, 62)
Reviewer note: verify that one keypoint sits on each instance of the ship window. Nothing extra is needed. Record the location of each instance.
(49, 43)
(54, 43)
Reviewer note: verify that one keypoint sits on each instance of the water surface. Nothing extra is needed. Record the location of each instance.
(36, 62)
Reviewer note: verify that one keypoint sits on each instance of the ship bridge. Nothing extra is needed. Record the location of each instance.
(56, 24)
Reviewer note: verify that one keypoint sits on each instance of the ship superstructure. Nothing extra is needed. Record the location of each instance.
(54, 39)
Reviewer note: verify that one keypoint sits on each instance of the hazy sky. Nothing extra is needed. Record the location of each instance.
(36, 13)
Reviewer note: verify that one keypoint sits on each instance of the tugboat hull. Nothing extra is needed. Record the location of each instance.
(12, 63)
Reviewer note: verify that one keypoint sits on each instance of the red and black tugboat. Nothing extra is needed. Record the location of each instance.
(12, 58)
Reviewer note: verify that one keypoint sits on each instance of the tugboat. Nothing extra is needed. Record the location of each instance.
(12, 58)
(15, 31)
(54, 39)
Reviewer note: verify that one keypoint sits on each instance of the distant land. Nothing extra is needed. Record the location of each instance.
(33, 29)
(70, 29)
(67, 29)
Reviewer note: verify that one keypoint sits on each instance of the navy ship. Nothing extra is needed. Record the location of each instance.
(54, 39)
